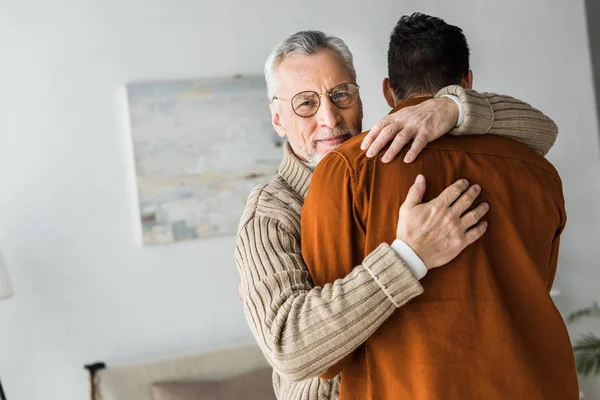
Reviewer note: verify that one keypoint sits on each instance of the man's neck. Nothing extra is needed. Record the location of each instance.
(413, 101)
(400, 101)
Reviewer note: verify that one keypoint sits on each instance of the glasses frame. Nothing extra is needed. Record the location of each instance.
(328, 93)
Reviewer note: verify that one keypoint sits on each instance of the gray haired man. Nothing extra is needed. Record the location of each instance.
(315, 104)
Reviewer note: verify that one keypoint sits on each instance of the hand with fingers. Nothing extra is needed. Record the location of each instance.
(422, 124)
(439, 230)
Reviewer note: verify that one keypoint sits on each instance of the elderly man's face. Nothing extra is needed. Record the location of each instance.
(313, 137)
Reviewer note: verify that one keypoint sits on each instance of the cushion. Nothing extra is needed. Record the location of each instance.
(255, 385)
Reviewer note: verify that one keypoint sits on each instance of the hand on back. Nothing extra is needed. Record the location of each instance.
(422, 124)
(439, 230)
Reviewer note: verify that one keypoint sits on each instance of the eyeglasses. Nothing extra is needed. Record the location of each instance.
(306, 104)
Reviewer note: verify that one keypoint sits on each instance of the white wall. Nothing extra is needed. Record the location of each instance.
(85, 290)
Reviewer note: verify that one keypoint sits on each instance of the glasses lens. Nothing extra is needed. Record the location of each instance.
(344, 95)
(306, 103)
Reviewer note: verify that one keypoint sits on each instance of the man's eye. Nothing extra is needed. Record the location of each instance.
(307, 104)
(340, 95)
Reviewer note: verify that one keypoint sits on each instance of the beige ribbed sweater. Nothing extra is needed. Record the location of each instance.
(302, 329)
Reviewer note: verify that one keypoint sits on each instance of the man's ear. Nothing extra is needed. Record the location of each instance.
(388, 93)
(276, 120)
(467, 80)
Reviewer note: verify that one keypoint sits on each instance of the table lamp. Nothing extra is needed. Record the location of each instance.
(5, 292)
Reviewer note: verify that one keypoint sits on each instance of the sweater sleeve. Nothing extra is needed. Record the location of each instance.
(303, 329)
(504, 116)
(309, 389)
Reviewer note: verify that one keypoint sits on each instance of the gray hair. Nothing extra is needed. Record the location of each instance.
(305, 43)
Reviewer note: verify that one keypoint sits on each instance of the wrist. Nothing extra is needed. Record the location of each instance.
(457, 107)
(410, 258)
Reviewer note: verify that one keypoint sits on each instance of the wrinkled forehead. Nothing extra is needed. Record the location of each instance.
(318, 72)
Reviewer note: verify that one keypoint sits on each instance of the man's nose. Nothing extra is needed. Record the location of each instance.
(328, 114)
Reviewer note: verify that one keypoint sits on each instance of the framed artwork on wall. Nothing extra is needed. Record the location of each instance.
(200, 146)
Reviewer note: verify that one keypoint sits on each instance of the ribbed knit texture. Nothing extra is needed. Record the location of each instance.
(504, 116)
(303, 330)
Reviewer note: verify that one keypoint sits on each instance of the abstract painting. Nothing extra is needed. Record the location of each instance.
(200, 147)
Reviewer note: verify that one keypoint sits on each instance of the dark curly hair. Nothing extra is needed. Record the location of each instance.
(425, 55)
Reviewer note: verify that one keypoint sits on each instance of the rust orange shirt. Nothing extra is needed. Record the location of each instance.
(485, 327)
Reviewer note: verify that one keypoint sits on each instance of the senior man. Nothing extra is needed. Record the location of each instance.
(302, 329)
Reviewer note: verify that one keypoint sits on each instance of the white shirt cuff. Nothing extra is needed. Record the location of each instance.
(412, 260)
(461, 108)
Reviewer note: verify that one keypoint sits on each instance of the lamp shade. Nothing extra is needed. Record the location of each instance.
(5, 286)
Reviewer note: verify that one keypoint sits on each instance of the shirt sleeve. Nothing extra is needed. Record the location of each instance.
(495, 114)
(553, 264)
(412, 259)
(461, 108)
